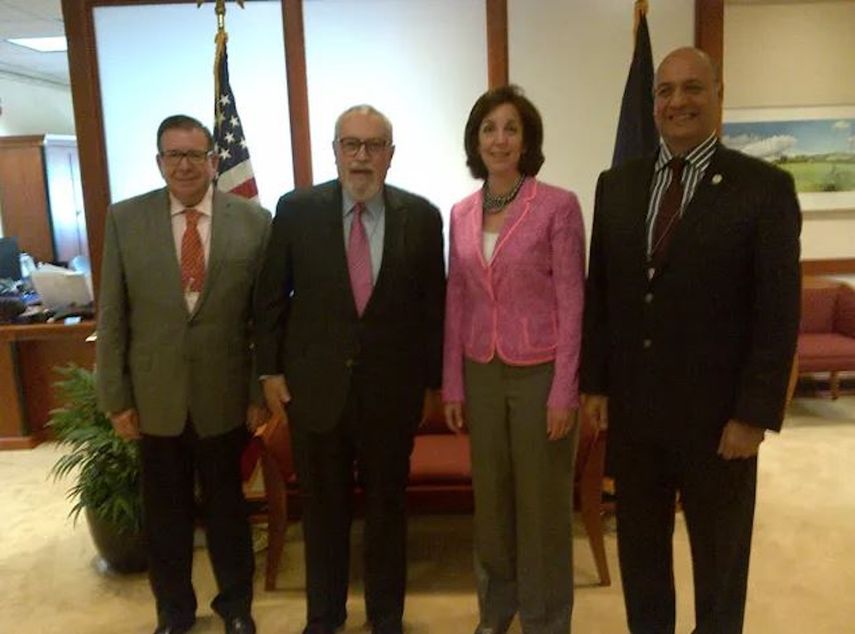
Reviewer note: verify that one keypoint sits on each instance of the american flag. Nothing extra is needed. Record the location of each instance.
(235, 173)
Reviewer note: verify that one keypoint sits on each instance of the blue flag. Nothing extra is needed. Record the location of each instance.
(636, 133)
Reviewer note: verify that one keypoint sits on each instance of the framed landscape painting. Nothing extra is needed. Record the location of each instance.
(816, 145)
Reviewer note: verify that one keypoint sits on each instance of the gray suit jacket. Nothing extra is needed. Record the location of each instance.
(152, 354)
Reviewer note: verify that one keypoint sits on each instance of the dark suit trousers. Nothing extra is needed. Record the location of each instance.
(378, 445)
(169, 468)
(717, 497)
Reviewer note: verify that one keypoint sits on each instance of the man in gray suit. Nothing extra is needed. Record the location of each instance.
(174, 369)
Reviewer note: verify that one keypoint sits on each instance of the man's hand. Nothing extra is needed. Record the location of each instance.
(256, 415)
(596, 408)
(454, 417)
(559, 422)
(126, 424)
(740, 440)
(432, 403)
(276, 395)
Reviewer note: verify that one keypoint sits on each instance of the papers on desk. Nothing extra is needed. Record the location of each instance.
(60, 288)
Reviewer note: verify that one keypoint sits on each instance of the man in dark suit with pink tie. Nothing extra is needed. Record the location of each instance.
(349, 320)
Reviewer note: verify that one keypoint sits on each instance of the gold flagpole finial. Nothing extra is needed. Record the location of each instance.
(639, 10)
(220, 9)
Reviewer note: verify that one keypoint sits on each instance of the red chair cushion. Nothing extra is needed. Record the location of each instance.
(440, 458)
(844, 316)
(825, 352)
(818, 309)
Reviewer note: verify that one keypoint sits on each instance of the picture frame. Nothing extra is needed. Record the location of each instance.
(816, 144)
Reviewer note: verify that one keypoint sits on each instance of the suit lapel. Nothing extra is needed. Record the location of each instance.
(332, 227)
(517, 212)
(394, 242)
(638, 181)
(166, 267)
(706, 194)
(703, 201)
(221, 220)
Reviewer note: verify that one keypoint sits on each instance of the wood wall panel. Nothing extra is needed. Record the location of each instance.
(498, 67)
(709, 29)
(298, 91)
(88, 122)
(845, 266)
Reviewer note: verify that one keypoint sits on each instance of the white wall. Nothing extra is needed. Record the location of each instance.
(423, 63)
(158, 60)
(795, 55)
(572, 59)
(33, 107)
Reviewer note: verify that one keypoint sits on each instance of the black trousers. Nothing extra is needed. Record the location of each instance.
(169, 469)
(717, 497)
(376, 446)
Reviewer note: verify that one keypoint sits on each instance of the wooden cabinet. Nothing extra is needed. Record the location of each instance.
(41, 201)
(28, 358)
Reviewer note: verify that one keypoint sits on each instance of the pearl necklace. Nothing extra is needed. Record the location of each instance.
(494, 204)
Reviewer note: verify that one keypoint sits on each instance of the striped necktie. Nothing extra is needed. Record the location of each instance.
(192, 254)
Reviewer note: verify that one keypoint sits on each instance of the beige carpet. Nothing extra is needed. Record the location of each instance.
(802, 576)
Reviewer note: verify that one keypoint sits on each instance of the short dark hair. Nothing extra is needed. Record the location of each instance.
(183, 122)
(532, 156)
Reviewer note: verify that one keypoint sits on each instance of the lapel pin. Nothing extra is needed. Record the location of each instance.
(716, 179)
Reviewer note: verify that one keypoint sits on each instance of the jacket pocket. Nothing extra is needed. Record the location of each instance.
(540, 335)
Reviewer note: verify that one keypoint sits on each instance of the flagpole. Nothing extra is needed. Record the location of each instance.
(234, 168)
(220, 38)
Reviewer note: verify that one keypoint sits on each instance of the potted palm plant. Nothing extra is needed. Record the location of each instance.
(107, 472)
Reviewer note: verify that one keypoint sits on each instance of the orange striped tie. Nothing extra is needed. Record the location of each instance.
(192, 254)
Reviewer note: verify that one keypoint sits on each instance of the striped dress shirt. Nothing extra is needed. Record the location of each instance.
(697, 162)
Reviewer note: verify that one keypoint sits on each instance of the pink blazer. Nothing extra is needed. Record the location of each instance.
(525, 304)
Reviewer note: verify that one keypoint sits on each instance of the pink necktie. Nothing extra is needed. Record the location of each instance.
(359, 260)
(192, 254)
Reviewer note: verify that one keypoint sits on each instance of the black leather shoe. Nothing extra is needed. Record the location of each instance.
(240, 625)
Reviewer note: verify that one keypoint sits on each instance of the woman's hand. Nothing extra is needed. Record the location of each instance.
(559, 422)
(454, 417)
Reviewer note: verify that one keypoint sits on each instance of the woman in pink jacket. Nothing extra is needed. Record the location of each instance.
(513, 327)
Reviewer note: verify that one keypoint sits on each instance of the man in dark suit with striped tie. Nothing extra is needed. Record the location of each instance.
(349, 320)
(690, 327)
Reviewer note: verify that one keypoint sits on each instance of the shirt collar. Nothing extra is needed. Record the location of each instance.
(697, 157)
(374, 206)
(204, 206)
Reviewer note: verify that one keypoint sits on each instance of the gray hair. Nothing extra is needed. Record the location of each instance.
(364, 108)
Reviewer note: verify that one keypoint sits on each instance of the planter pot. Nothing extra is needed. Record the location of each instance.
(118, 552)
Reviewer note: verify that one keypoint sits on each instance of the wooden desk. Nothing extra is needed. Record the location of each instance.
(28, 356)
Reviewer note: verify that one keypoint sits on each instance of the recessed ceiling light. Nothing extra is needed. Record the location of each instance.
(42, 44)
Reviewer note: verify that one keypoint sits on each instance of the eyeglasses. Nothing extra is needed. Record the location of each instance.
(351, 145)
(195, 157)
